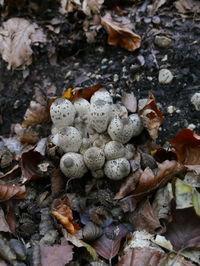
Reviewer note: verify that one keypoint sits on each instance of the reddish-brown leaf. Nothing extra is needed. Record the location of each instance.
(29, 165)
(161, 155)
(120, 34)
(145, 219)
(141, 256)
(187, 146)
(151, 116)
(184, 230)
(150, 181)
(129, 101)
(36, 114)
(57, 255)
(63, 213)
(7, 192)
(10, 215)
(109, 247)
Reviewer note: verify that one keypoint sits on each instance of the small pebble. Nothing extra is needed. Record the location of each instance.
(195, 100)
(156, 20)
(115, 78)
(191, 126)
(171, 109)
(104, 60)
(150, 78)
(162, 41)
(165, 76)
(147, 20)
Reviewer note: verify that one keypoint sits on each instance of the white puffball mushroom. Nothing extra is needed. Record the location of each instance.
(129, 151)
(94, 158)
(68, 139)
(121, 129)
(101, 94)
(114, 150)
(137, 123)
(72, 165)
(120, 110)
(117, 169)
(62, 113)
(100, 112)
(98, 173)
(82, 107)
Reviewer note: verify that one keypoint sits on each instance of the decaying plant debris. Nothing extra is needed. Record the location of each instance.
(136, 201)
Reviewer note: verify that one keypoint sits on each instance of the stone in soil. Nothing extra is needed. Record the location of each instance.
(162, 41)
(165, 76)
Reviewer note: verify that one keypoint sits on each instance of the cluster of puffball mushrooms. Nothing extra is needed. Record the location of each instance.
(94, 136)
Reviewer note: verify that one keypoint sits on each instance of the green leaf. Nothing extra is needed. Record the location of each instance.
(196, 201)
(183, 193)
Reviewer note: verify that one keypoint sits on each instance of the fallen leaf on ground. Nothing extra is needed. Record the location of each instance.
(144, 218)
(187, 146)
(17, 35)
(149, 181)
(68, 6)
(161, 155)
(4, 227)
(141, 256)
(29, 165)
(63, 213)
(151, 116)
(120, 34)
(156, 5)
(7, 192)
(129, 101)
(184, 230)
(109, 247)
(10, 215)
(187, 6)
(183, 194)
(36, 114)
(90, 7)
(57, 255)
(79, 243)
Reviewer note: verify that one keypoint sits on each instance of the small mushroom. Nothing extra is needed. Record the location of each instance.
(129, 151)
(62, 113)
(100, 112)
(94, 158)
(137, 123)
(117, 169)
(72, 165)
(68, 139)
(101, 94)
(114, 150)
(120, 110)
(121, 129)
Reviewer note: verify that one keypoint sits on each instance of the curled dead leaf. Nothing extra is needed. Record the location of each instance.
(129, 101)
(187, 147)
(120, 34)
(151, 116)
(7, 192)
(16, 37)
(63, 213)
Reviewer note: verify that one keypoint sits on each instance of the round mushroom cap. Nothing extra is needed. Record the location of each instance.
(82, 107)
(94, 158)
(117, 169)
(121, 129)
(69, 139)
(120, 110)
(114, 150)
(101, 94)
(62, 113)
(100, 112)
(72, 165)
(137, 123)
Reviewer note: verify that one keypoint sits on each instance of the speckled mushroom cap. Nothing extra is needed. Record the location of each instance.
(120, 110)
(101, 94)
(129, 151)
(100, 112)
(137, 123)
(82, 107)
(117, 169)
(114, 150)
(62, 113)
(69, 139)
(94, 158)
(72, 165)
(121, 129)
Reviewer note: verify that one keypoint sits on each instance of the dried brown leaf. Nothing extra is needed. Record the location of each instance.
(141, 256)
(156, 5)
(187, 146)
(4, 227)
(36, 114)
(184, 230)
(7, 192)
(109, 247)
(57, 255)
(129, 101)
(16, 37)
(187, 6)
(121, 35)
(151, 116)
(150, 181)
